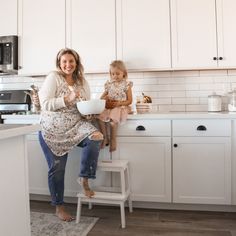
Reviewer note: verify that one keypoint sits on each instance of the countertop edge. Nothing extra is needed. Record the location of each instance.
(158, 115)
(18, 131)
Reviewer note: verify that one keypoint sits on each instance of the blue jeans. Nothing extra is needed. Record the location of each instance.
(57, 165)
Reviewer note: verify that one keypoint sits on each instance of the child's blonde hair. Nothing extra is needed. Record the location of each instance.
(121, 66)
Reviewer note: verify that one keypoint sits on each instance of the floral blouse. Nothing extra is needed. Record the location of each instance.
(117, 90)
(62, 127)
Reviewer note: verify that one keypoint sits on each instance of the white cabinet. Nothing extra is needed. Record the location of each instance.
(203, 35)
(202, 161)
(146, 34)
(91, 30)
(14, 187)
(193, 27)
(8, 17)
(226, 32)
(233, 162)
(38, 175)
(38, 169)
(72, 171)
(149, 154)
(42, 34)
(179, 161)
(143, 33)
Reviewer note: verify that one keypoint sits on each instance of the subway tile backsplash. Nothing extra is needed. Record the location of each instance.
(170, 90)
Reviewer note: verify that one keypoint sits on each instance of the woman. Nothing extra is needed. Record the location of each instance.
(62, 127)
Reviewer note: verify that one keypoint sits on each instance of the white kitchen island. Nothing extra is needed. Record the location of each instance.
(14, 204)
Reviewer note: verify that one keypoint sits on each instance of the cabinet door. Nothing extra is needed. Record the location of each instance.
(226, 32)
(38, 169)
(42, 31)
(91, 31)
(8, 17)
(72, 172)
(193, 26)
(14, 187)
(202, 170)
(144, 33)
(150, 166)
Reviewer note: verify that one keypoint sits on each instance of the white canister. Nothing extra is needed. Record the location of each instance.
(214, 102)
(232, 101)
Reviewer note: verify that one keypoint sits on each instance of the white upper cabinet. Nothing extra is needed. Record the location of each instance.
(42, 34)
(8, 17)
(193, 25)
(91, 31)
(143, 29)
(146, 34)
(203, 33)
(226, 29)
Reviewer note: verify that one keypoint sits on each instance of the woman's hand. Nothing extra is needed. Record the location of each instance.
(71, 97)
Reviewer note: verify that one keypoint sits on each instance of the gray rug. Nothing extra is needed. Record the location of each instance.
(45, 224)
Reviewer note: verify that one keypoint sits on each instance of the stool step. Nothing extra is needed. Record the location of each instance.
(104, 195)
(112, 165)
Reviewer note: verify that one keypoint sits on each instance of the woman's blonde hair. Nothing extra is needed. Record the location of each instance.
(121, 66)
(78, 74)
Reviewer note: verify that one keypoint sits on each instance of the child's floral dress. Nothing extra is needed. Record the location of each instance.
(116, 90)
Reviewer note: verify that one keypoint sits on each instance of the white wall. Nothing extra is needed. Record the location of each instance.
(171, 91)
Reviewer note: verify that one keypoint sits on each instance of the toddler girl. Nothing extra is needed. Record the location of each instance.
(118, 96)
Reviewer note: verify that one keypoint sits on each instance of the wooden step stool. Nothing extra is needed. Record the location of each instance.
(121, 166)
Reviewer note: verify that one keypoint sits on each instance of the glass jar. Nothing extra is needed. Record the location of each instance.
(214, 102)
(232, 100)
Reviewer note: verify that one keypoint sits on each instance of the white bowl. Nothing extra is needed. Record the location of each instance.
(91, 107)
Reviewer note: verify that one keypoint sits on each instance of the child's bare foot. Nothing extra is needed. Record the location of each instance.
(112, 146)
(87, 191)
(63, 215)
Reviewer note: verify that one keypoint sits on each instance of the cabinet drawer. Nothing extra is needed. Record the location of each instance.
(201, 128)
(145, 128)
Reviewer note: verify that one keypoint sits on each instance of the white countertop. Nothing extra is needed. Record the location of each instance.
(13, 116)
(184, 115)
(11, 130)
(157, 115)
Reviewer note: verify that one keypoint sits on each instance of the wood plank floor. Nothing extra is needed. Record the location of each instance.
(151, 222)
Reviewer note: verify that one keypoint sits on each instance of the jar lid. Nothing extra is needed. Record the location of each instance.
(233, 91)
(214, 95)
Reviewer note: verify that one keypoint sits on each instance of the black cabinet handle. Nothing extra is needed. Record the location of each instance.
(215, 58)
(220, 58)
(140, 128)
(201, 128)
(175, 145)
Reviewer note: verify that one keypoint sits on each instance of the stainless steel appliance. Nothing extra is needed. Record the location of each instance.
(8, 54)
(14, 101)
